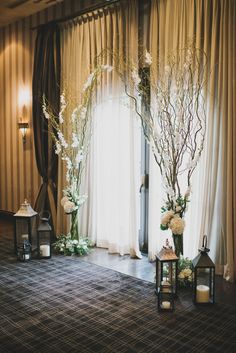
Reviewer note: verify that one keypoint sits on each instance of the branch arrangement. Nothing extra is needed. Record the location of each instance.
(72, 137)
(173, 121)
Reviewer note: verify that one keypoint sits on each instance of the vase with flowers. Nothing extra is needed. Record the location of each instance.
(174, 124)
(71, 131)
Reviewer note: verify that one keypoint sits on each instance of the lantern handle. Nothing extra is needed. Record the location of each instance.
(45, 216)
(204, 248)
(204, 241)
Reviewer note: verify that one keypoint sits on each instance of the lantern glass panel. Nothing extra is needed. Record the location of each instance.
(22, 229)
(169, 273)
(202, 276)
(24, 250)
(33, 221)
(165, 301)
(44, 243)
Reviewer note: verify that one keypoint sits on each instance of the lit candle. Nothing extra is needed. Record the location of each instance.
(165, 305)
(45, 250)
(202, 294)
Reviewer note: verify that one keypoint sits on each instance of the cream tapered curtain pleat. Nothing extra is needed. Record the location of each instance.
(211, 26)
(110, 216)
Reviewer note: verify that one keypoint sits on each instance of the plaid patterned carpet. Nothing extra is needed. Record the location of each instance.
(66, 305)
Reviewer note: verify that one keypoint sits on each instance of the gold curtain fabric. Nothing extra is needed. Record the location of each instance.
(211, 26)
(114, 28)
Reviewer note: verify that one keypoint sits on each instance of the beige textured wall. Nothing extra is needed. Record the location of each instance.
(19, 177)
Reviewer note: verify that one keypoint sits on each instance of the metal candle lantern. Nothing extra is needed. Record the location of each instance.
(44, 236)
(25, 227)
(166, 278)
(204, 276)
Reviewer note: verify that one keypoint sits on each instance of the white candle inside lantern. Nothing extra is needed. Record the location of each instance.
(165, 305)
(202, 294)
(45, 250)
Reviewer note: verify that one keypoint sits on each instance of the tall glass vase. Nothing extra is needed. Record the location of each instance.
(178, 243)
(74, 227)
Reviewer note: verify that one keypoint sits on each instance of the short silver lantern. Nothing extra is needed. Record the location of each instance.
(25, 227)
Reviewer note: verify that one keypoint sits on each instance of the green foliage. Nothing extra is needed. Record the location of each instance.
(163, 227)
(185, 274)
(66, 246)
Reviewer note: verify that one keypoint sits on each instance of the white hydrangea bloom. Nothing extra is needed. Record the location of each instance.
(177, 225)
(64, 200)
(69, 206)
(166, 217)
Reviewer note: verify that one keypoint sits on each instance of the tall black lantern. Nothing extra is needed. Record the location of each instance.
(204, 276)
(25, 228)
(44, 236)
(166, 278)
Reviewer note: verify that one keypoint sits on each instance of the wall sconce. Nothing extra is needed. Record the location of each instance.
(23, 128)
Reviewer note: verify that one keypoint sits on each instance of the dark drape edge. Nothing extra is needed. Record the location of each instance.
(46, 81)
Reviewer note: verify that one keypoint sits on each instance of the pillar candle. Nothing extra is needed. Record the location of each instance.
(165, 305)
(202, 294)
(45, 250)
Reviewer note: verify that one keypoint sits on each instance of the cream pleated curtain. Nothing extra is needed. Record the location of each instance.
(211, 25)
(110, 216)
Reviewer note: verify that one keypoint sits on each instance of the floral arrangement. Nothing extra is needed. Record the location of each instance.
(67, 246)
(185, 274)
(72, 136)
(174, 124)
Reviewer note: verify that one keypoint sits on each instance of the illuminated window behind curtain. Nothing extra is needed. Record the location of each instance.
(112, 177)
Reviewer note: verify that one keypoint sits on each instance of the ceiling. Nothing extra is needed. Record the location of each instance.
(13, 10)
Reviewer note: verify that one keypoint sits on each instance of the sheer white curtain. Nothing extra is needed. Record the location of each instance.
(113, 177)
(110, 216)
(211, 26)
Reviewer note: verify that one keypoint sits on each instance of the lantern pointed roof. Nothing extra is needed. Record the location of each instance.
(25, 210)
(167, 254)
(203, 260)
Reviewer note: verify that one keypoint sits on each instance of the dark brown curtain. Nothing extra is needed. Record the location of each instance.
(46, 81)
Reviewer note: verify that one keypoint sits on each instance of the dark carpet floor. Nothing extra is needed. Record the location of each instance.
(66, 305)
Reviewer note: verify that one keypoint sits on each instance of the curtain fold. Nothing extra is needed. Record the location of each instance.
(110, 215)
(46, 81)
(211, 26)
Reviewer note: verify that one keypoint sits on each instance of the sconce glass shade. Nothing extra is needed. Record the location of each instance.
(23, 128)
